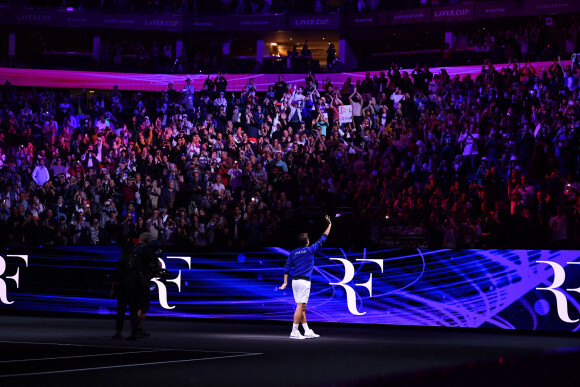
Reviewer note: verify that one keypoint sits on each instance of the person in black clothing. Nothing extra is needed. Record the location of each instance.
(145, 259)
(419, 78)
(330, 55)
(280, 88)
(125, 287)
(220, 83)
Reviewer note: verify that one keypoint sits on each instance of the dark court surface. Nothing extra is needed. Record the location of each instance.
(46, 351)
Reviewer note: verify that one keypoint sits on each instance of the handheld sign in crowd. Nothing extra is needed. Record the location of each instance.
(345, 114)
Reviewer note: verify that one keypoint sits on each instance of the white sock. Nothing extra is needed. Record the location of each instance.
(294, 327)
(305, 326)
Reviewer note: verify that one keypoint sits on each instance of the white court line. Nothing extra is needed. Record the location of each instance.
(125, 366)
(78, 356)
(118, 347)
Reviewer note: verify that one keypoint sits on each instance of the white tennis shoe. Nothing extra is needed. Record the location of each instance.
(309, 334)
(297, 336)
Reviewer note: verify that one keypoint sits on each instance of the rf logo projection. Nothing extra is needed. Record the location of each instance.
(15, 277)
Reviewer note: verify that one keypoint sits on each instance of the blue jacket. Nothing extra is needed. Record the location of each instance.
(302, 259)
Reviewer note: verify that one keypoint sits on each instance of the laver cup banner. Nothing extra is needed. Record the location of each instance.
(507, 289)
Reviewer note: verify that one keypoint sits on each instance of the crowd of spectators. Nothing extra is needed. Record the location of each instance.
(485, 162)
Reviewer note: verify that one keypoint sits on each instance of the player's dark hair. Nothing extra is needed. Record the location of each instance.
(303, 239)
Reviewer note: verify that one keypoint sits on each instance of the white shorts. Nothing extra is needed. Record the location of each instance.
(301, 290)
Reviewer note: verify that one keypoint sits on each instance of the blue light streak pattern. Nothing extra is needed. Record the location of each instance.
(468, 288)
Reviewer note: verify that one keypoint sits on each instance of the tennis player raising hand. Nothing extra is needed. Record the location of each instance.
(302, 260)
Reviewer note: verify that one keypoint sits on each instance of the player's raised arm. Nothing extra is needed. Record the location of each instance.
(315, 247)
(329, 225)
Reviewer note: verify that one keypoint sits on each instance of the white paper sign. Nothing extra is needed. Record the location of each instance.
(345, 114)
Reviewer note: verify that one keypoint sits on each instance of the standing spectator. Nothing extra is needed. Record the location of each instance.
(469, 141)
(356, 102)
(330, 55)
(40, 175)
